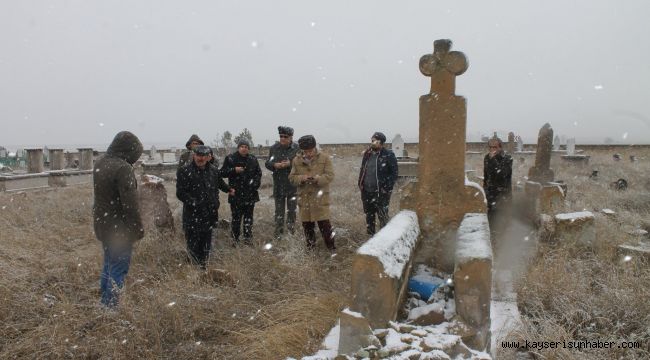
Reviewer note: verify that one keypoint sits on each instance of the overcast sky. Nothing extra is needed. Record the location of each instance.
(77, 72)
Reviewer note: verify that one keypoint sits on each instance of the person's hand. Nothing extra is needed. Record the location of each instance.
(239, 169)
(286, 163)
(231, 192)
(278, 165)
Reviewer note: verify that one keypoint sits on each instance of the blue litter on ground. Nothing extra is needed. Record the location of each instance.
(424, 285)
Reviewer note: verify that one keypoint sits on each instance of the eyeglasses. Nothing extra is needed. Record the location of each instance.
(284, 136)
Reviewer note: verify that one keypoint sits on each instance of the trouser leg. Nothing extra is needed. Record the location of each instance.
(326, 230)
(235, 224)
(292, 203)
(369, 200)
(199, 244)
(248, 211)
(310, 234)
(382, 209)
(116, 266)
(279, 213)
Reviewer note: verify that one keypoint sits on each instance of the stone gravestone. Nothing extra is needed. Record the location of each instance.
(520, 143)
(556, 143)
(169, 157)
(510, 147)
(571, 146)
(154, 207)
(86, 158)
(34, 160)
(57, 160)
(440, 196)
(542, 172)
(398, 146)
(154, 155)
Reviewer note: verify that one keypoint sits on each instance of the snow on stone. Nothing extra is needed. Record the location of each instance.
(352, 313)
(330, 347)
(393, 244)
(394, 342)
(574, 216)
(473, 238)
(152, 179)
(477, 187)
(608, 211)
(426, 309)
(505, 319)
(442, 341)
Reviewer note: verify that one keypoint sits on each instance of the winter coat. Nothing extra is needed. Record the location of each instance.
(497, 176)
(198, 190)
(386, 170)
(277, 153)
(313, 199)
(116, 214)
(245, 183)
(186, 155)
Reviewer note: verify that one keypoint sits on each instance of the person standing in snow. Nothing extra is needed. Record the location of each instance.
(312, 173)
(197, 187)
(244, 175)
(280, 156)
(188, 155)
(497, 183)
(116, 215)
(377, 177)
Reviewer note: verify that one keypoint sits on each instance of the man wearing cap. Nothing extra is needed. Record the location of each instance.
(187, 155)
(280, 156)
(244, 175)
(377, 177)
(197, 187)
(497, 183)
(312, 173)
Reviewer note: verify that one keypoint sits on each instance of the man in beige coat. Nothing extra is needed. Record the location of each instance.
(312, 173)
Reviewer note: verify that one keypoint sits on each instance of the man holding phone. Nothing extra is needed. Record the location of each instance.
(280, 156)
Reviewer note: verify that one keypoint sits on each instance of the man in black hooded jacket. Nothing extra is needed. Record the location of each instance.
(497, 183)
(197, 187)
(244, 175)
(116, 215)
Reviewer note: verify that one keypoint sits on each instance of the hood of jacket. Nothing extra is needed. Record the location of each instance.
(194, 137)
(126, 146)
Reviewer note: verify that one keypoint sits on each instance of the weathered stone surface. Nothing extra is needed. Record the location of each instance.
(634, 252)
(578, 227)
(473, 275)
(510, 146)
(57, 160)
(355, 332)
(542, 171)
(34, 161)
(407, 169)
(432, 314)
(154, 208)
(440, 196)
(57, 178)
(380, 269)
(86, 159)
(580, 161)
(544, 199)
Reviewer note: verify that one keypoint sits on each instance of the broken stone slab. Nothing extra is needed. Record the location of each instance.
(473, 275)
(577, 227)
(633, 252)
(154, 208)
(356, 333)
(380, 269)
(430, 314)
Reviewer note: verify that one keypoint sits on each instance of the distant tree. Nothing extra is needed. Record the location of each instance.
(246, 134)
(216, 142)
(226, 140)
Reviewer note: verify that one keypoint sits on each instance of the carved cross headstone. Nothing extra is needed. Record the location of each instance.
(440, 196)
(542, 172)
(398, 146)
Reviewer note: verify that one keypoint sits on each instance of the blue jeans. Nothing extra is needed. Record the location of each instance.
(116, 266)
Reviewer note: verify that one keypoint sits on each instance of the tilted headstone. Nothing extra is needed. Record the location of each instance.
(571, 146)
(398, 146)
(542, 172)
(510, 146)
(440, 195)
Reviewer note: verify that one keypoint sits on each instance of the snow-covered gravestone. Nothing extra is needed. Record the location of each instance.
(398, 146)
(380, 269)
(571, 146)
(473, 275)
(577, 227)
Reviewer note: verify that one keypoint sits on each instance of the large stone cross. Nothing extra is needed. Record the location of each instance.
(443, 66)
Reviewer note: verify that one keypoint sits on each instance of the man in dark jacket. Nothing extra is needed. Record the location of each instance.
(197, 187)
(280, 156)
(377, 177)
(497, 182)
(244, 175)
(116, 216)
(188, 155)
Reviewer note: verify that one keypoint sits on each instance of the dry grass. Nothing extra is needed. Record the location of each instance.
(286, 299)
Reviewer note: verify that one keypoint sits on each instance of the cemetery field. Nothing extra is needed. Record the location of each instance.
(282, 301)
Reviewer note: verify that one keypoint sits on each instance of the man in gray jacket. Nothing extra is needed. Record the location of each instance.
(116, 216)
(279, 162)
